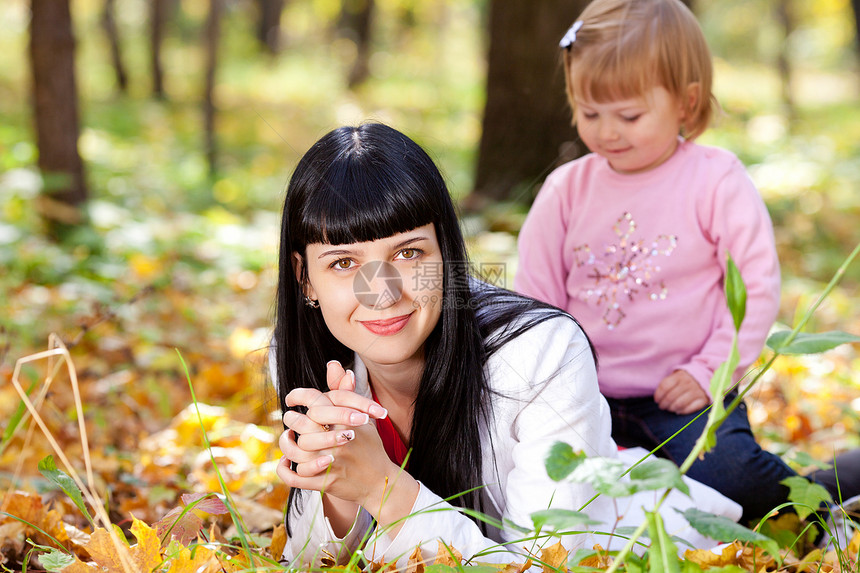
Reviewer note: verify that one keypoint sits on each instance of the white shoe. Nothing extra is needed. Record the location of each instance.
(842, 523)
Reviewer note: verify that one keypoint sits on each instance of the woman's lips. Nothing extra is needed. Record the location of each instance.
(388, 326)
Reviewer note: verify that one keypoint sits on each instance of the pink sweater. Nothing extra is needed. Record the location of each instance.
(639, 261)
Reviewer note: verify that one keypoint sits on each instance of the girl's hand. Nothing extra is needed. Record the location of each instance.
(680, 393)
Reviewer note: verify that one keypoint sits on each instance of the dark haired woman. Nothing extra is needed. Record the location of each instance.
(386, 346)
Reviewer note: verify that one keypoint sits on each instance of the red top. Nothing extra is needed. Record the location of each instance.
(394, 446)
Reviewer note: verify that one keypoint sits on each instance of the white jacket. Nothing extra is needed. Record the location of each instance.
(545, 390)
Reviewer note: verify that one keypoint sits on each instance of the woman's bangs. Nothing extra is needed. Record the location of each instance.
(364, 204)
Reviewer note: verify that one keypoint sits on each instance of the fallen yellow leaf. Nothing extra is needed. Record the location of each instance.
(554, 557)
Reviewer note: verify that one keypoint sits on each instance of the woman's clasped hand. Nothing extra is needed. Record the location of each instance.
(332, 419)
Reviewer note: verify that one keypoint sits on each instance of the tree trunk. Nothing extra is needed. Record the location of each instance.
(55, 106)
(110, 27)
(527, 121)
(157, 18)
(855, 8)
(213, 33)
(356, 19)
(785, 17)
(269, 26)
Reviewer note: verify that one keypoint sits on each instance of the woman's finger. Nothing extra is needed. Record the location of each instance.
(339, 379)
(304, 424)
(348, 399)
(300, 478)
(332, 415)
(290, 448)
(305, 397)
(319, 441)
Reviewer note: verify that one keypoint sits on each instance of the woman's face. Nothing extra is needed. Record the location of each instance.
(380, 298)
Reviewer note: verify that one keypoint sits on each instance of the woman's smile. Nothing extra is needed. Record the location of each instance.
(388, 326)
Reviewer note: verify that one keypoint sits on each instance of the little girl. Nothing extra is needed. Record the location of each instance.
(633, 239)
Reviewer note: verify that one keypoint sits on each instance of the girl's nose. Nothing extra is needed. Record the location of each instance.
(607, 131)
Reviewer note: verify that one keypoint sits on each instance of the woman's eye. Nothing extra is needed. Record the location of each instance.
(409, 254)
(342, 264)
(589, 116)
(631, 118)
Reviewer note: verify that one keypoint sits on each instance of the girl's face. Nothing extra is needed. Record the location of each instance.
(380, 298)
(634, 135)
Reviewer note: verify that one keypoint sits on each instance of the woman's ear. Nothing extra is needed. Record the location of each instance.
(302, 276)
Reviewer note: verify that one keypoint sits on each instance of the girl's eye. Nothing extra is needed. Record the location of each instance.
(631, 118)
(589, 116)
(342, 264)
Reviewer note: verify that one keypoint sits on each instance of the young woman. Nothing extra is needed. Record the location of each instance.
(414, 393)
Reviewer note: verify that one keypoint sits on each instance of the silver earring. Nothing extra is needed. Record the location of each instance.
(311, 302)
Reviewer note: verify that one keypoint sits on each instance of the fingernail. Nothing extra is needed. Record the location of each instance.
(358, 419)
(345, 436)
(289, 416)
(378, 412)
(330, 362)
(351, 375)
(325, 461)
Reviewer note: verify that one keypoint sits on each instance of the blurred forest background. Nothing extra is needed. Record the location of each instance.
(140, 197)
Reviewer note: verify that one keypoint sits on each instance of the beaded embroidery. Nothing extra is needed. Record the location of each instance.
(624, 270)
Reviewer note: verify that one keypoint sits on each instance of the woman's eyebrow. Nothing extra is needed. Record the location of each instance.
(410, 241)
(335, 252)
(342, 252)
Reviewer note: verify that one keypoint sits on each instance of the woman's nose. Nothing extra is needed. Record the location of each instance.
(378, 285)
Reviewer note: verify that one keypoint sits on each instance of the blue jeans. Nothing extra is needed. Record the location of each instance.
(737, 467)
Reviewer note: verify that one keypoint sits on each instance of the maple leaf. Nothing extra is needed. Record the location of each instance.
(599, 559)
(381, 566)
(553, 557)
(205, 502)
(707, 558)
(279, 541)
(197, 559)
(144, 556)
(415, 563)
(183, 527)
(30, 509)
(446, 555)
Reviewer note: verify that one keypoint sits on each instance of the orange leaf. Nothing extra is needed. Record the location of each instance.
(29, 508)
(383, 567)
(415, 563)
(448, 556)
(103, 552)
(516, 567)
(145, 556)
(707, 558)
(279, 541)
(599, 561)
(198, 559)
(147, 553)
(554, 557)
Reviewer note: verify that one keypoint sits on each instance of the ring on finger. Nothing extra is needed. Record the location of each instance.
(326, 427)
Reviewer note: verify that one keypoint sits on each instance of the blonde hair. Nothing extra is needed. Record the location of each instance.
(623, 48)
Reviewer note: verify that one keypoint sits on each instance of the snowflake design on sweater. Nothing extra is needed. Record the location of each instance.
(624, 270)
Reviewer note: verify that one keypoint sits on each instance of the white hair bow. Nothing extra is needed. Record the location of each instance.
(570, 36)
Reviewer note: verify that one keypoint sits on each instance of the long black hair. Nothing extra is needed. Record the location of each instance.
(365, 183)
